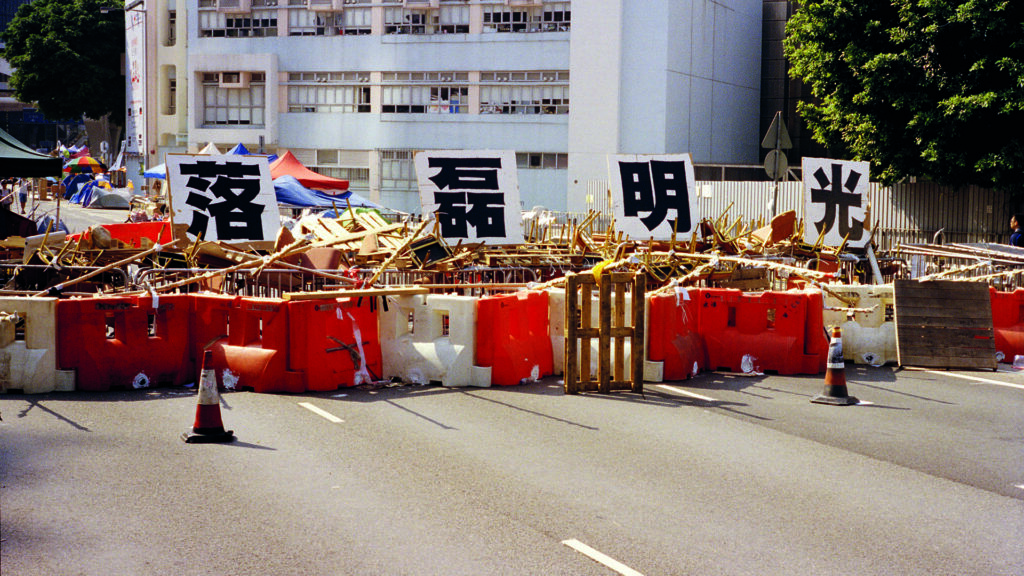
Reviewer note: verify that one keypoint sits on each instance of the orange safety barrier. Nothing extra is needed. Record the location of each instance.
(255, 352)
(1008, 323)
(672, 335)
(125, 341)
(334, 343)
(512, 337)
(132, 233)
(779, 332)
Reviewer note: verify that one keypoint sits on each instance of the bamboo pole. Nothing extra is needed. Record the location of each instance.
(109, 267)
(394, 255)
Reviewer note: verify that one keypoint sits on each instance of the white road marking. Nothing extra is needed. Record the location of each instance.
(320, 412)
(602, 558)
(686, 393)
(1021, 486)
(966, 377)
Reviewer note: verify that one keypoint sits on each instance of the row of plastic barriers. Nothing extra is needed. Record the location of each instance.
(274, 345)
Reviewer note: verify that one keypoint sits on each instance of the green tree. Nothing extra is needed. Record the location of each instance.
(66, 56)
(931, 88)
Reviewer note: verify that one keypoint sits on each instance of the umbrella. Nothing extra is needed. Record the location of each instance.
(84, 165)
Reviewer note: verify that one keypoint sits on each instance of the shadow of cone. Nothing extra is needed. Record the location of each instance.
(208, 427)
(835, 375)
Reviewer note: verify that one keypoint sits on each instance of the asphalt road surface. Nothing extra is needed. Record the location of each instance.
(721, 474)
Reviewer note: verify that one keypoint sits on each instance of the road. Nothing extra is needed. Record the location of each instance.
(721, 474)
(74, 216)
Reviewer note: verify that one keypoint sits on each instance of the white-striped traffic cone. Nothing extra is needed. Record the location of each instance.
(208, 427)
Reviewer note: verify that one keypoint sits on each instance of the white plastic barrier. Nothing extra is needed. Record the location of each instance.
(29, 364)
(431, 338)
(868, 337)
(653, 371)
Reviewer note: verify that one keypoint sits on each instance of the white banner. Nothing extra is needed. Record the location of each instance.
(228, 198)
(473, 193)
(652, 195)
(835, 198)
(135, 61)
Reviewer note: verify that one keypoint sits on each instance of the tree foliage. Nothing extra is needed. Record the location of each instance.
(930, 88)
(66, 56)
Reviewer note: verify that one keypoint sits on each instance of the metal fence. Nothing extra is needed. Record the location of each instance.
(907, 213)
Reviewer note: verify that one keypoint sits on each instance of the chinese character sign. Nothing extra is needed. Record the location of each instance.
(135, 61)
(654, 195)
(223, 197)
(474, 194)
(835, 198)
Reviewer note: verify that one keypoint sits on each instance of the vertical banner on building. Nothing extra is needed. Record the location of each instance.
(835, 199)
(654, 195)
(135, 60)
(474, 194)
(228, 198)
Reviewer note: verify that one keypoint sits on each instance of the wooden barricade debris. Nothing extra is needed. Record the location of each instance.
(611, 332)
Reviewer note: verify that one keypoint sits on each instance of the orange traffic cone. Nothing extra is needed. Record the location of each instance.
(208, 427)
(835, 375)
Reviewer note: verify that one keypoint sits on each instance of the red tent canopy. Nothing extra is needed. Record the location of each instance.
(288, 164)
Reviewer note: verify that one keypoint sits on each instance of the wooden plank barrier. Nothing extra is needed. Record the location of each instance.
(612, 327)
(944, 324)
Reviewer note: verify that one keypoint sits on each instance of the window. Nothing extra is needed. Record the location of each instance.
(356, 20)
(307, 23)
(260, 23)
(541, 160)
(425, 93)
(556, 17)
(172, 19)
(499, 18)
(226, 105)
(328, 92)
(452, 19)
(534, 92)
(405, 21)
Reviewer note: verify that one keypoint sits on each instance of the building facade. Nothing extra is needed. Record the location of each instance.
(354, 88)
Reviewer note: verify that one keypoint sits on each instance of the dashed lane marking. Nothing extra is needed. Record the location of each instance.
(320, 412)
(966, 377)
(601, 558)
(686, 393)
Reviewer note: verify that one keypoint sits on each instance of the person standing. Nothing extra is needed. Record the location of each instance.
(1017, 236)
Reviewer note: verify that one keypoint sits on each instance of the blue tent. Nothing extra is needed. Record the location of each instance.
(292, 193)
(239, 150)
(74, 182)
(159, 172)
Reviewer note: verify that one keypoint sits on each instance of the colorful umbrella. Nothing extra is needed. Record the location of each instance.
(84, 165)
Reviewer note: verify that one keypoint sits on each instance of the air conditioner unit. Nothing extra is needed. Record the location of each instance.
(234, 6)
(327, 5)
(523, 3)
(421, 4)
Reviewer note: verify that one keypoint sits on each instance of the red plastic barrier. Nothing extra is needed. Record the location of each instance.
(255, 352)
(772, 331)
(334, 343)
(124, 341)
(512, 337)
(132, 233)
(672, 336)
(208, 323)
(1008, 323)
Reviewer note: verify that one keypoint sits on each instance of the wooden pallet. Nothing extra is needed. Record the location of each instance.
(611, 332)
(944, 324)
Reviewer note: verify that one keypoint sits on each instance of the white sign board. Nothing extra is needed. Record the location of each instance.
(135, 61)
(473, 193)
(229, 198)
(835, 198)
(654, 195)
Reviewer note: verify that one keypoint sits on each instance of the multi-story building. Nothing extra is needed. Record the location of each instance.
(354, 88)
